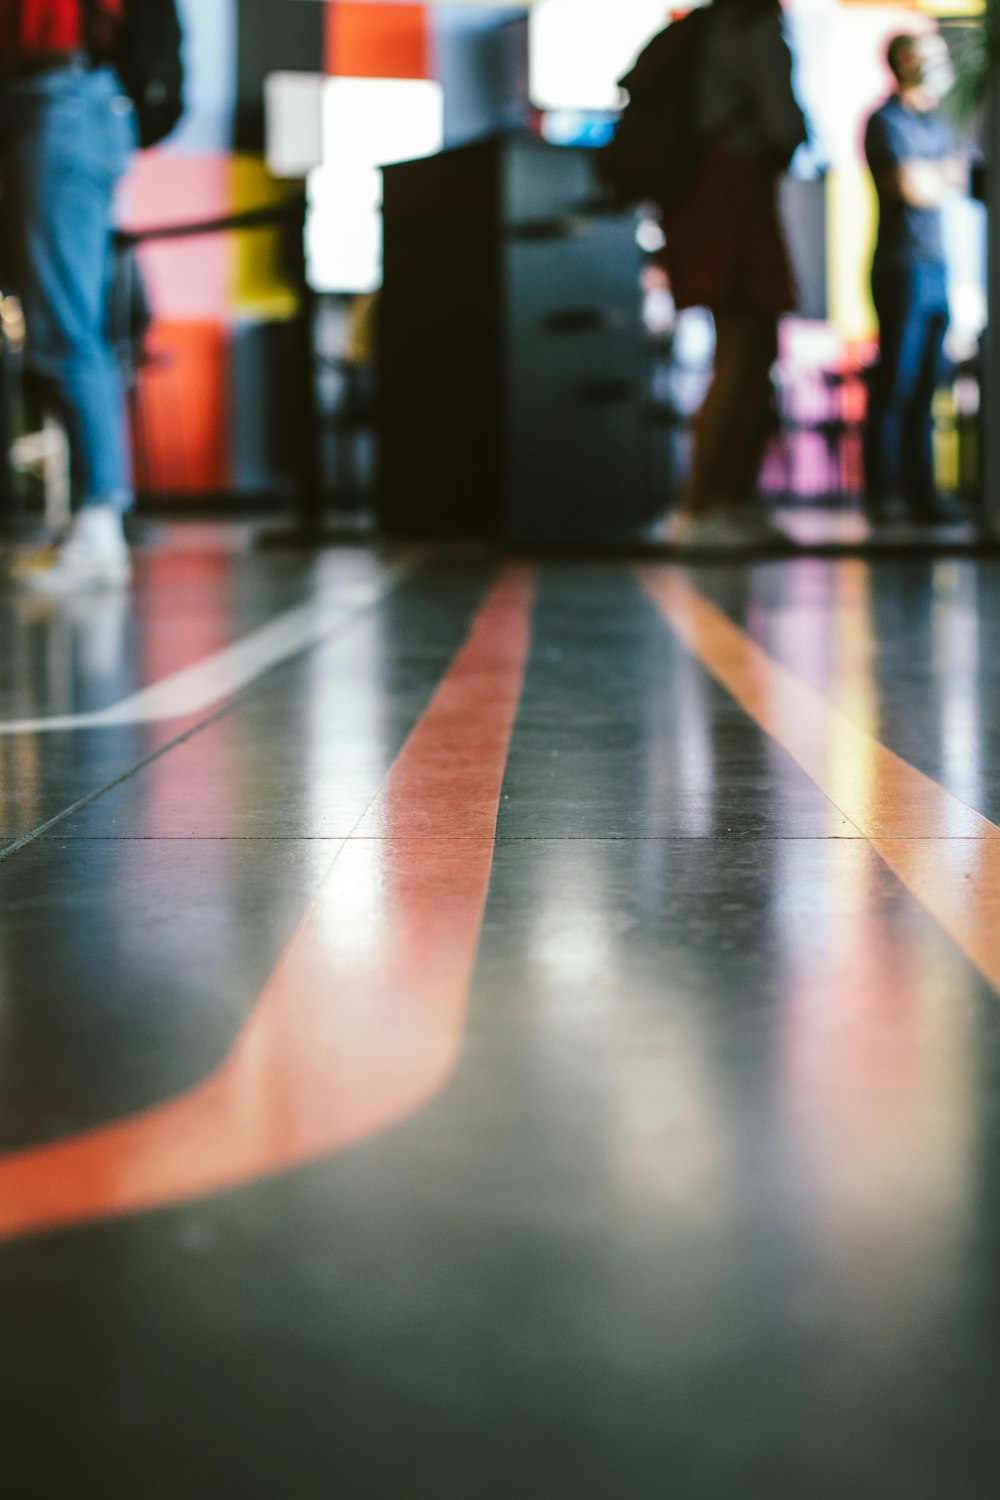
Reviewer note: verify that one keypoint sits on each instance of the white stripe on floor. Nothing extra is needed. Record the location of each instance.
(209, 682)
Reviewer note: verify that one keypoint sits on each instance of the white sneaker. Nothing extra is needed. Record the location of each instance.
(724, 531)
(76, 565)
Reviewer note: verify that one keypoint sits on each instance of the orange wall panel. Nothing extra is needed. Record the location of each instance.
(180, 410)
(377, 41)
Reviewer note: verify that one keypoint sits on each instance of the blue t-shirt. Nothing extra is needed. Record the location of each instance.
(906, 234)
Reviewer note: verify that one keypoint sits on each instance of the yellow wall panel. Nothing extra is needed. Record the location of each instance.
(852, 215)
(263, 289)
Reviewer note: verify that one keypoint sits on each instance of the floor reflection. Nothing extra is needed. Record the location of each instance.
(362, 1019)
(878, 1065)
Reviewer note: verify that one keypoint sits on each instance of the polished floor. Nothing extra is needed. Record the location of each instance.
(473, 1030)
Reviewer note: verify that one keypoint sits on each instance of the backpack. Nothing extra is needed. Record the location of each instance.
(655, 152)
(147, 55)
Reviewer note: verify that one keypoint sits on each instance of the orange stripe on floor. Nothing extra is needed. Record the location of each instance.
(362, 1020)
(944, 852)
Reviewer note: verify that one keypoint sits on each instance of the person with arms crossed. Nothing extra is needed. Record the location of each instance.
(913, 156)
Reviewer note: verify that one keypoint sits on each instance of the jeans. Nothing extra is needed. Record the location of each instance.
(66, 137)
(911, 302)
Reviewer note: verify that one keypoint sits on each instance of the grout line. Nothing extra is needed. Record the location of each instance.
(68, 812)
(953, 871)
(362, 1021)
(346, 624)
(510, 838)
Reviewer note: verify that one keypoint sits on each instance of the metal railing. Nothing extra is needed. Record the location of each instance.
(307, 523)
(44, 451)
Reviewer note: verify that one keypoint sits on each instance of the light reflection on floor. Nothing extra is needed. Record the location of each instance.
(565, 1066)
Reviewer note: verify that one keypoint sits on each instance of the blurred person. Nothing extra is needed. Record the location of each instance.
(913, 156)
(725, 251)
(66, 134)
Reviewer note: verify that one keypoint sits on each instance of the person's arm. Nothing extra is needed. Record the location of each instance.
(921, 182)
(925, 183)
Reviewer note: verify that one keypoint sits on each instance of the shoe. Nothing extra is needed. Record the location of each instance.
(724, 531)
(74, 566)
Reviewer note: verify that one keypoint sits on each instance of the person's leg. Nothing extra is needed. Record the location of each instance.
(730, 436)
(730, 431)
(71, 147)
(756, 349)
(704, 492)
(894, 378)
(931, 314)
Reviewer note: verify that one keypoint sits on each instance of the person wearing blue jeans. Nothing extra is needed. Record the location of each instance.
(912, 153)
(911, 303)
(67, 133)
